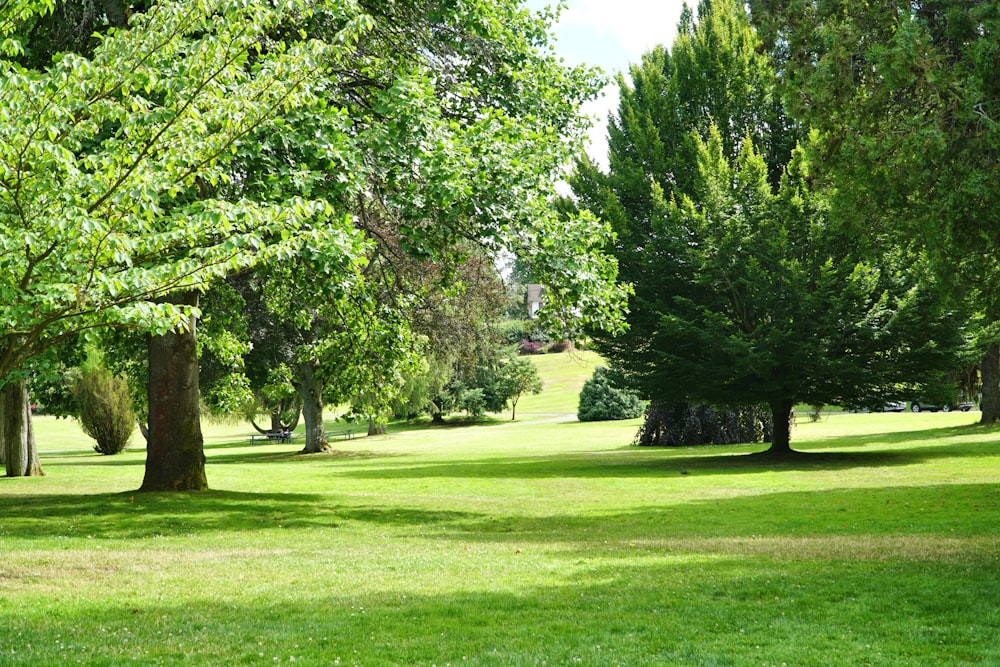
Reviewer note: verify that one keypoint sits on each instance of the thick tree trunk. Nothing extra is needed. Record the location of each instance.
(311, 391)
(990, 368)
(781, 415)
(17, 437)
(374, 427)
(3, 436)
(175, 449)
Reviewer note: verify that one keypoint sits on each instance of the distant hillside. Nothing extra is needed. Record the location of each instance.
(563, 375)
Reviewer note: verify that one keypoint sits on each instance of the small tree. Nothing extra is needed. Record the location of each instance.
(105, 413)
(602, 400)
(516, 377)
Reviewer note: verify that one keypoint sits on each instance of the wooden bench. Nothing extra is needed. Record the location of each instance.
(346, 434)
(272, 436)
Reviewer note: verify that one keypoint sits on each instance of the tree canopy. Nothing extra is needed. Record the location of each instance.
(906, 97)
(194, 140)
(746, 291)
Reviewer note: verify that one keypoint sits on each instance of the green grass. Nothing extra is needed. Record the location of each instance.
(526, 543)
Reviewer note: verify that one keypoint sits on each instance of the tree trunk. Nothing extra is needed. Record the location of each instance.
(311, 391)
(175, 449)
(781, 415)
(990, 402)
(374, 427)
(16, 433)
(3, 438)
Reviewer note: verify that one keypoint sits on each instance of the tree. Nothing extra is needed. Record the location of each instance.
(745, 290)
(110, 164)
(905, 95)
(20, 453)
(433, 148)
(517, 376)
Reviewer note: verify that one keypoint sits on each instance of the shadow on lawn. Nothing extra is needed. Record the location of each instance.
(830, 516)
(946, 511)
(670, 612)
(145, 515)
(669, 462)
(921, 435)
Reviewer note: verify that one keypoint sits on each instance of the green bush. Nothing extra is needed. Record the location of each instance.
(514, 331)
(602, 400)
(105, 408)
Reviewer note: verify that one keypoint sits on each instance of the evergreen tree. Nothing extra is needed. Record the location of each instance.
(745, 291)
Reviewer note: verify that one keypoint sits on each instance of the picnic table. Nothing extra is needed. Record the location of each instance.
(272, 436)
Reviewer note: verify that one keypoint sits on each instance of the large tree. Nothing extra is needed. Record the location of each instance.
(745, 290)
(108, 166)
(127, 183)
(906, 95)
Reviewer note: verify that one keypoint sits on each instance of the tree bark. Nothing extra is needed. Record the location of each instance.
(374, 427)
(781, 415)
(311, 391)
(990, 369)
(16, 432)
(175, 448)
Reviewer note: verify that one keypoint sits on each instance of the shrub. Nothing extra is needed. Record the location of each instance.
(560, 346)
(105, 408)
(529, 347)
(602, 400)
(513, 331)
(685, 425)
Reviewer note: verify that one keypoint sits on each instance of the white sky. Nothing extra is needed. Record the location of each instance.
(611, 34)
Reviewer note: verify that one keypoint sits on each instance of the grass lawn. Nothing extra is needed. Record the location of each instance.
(537, 542)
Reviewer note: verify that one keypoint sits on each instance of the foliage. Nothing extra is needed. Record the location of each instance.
(746, 290)
(905, 95)
(517, 377)
(513, 331)
(685, 425)
(113, 175)
(601, 399)
(105, 408)
(530, 347)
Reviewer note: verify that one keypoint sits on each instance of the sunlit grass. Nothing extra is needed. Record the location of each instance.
(533, 542)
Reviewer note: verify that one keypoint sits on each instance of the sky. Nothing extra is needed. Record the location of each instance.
(611, 34)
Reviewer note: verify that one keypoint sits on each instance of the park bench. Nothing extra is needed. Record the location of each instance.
(272, 436)
(346, 434)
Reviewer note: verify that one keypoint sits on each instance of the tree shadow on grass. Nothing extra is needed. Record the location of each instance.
(669, 462)
(708, 611)
(867, 523)
(144, 515)
(919, 435)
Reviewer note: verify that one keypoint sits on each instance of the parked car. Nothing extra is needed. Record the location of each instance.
(918, 406)
(894, 406)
